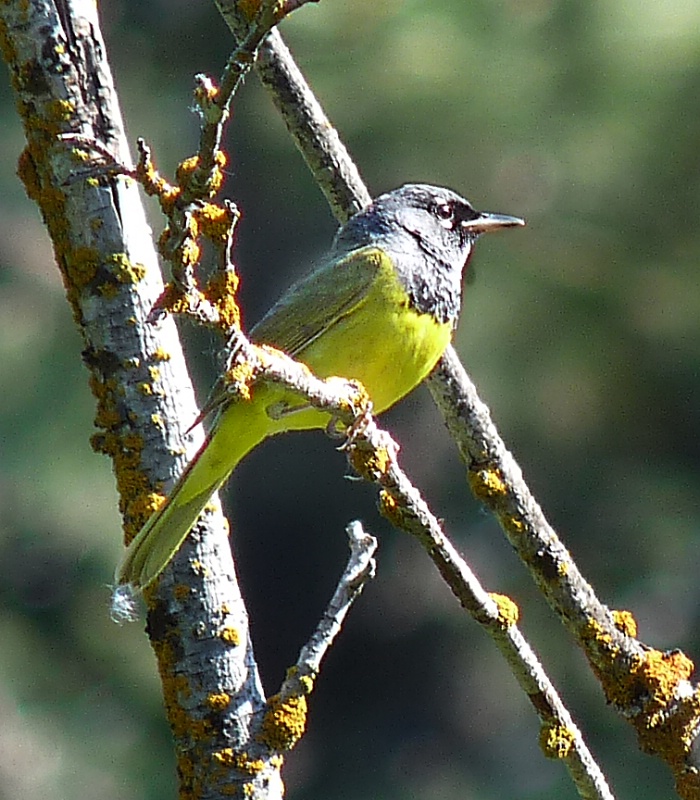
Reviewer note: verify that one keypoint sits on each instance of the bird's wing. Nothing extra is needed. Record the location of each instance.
(314, 304)
(308, 309)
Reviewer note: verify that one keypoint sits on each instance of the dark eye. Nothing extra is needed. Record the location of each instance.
(445, 212)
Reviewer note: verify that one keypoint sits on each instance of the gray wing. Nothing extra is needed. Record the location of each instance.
(314, 304)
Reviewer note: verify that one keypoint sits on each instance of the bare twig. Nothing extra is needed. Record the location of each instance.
(360, 568)
(317, 139)
(285, 717)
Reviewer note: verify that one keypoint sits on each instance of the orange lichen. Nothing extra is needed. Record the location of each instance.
(662, 672)
(218, 176)
(625, 622)
(105, 392)
(650, 679)
(137, 500)
(284, 722)
(161, 355)
(230, 635)
(371, 464)
(143, 505)
(186, 168)
(156, 186)
(556, 741)
(80, 155)
(174, 300)
(189, 252)
(158, 421)
(390, 508)
(206, 91)
(512, 523)
(228, 757)
(176, 688)
(216, 222)
(80, 265)
(487, 484)
(59, 111)
(671, 735)
(221, 291)
(240, 378)
(124, 270)
(598, 636)
(508, 611)
(218, 701)
(199, 568)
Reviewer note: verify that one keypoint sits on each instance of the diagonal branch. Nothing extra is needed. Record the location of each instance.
(285, 718)
(373, 455)
(649, 687)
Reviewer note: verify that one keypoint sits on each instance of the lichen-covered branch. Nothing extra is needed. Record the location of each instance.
(214, 101)
(197, 620)
(650, 688)
(373, 455)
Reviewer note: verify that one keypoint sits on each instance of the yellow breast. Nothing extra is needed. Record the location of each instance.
(383, 342)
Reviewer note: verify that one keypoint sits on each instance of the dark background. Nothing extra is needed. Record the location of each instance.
(580, 331)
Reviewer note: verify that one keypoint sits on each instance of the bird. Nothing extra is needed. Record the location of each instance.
(380, 309)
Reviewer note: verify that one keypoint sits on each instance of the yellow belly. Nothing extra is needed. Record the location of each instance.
(389, 352)
(383, 342)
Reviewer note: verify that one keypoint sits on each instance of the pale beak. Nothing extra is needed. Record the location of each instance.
(486, 222)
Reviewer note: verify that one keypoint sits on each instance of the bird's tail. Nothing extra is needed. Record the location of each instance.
(160, 538)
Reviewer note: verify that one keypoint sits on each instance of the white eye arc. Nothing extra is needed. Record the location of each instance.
(445, 214)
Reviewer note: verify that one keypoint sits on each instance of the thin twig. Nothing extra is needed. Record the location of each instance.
(285, 716)
(214, 101)
(360, 568)
(314, 135)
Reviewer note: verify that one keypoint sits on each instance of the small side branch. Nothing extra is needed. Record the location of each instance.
(360, 568)
(284, 721)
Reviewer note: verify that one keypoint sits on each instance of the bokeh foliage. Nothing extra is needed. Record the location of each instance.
(580, 330)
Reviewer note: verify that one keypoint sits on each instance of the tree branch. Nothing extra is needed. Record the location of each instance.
(650, 688)
(374, 456)
(197, 620)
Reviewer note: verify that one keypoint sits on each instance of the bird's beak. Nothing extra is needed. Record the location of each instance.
(486, 222)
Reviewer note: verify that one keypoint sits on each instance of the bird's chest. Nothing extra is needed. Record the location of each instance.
(386, 344)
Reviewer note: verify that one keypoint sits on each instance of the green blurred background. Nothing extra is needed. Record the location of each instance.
(580, 330)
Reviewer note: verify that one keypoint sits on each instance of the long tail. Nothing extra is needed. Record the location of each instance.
(237, 431)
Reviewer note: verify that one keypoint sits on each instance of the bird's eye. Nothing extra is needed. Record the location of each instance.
(445, 212)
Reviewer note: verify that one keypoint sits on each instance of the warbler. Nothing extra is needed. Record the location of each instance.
(380, 309)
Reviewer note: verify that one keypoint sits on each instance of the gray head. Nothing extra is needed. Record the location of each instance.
(429, 233)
